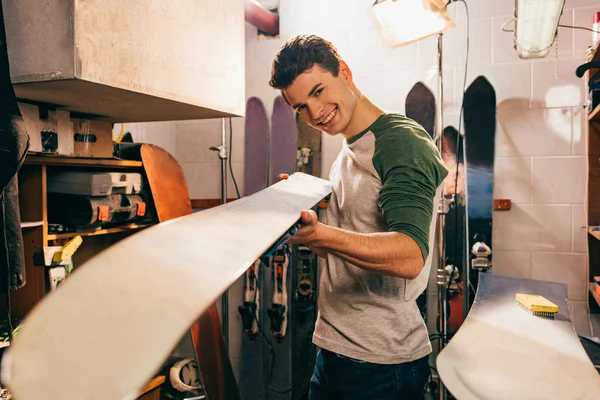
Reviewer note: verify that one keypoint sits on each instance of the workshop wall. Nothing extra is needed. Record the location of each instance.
(540, 160)
(540, 149)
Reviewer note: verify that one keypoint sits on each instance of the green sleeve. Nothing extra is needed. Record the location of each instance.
(411, 169)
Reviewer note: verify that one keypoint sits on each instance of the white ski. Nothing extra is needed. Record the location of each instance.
(109, 327)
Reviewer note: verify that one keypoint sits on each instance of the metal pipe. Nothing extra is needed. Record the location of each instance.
(266, 21)
(442, 274)
(223, 157)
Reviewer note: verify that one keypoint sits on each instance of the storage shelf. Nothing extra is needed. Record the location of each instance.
(126, 228)
(34, 159)
(34, 224)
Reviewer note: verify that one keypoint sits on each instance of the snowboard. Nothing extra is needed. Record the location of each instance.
(102, 337)
(256, 178)
(502, 351)
(304, 276)
(284, 139)
(420, 106)
(170, 200)
(283, 151)
(454, 228)
(480, 133)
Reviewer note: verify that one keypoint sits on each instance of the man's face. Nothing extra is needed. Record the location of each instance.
(325, 102)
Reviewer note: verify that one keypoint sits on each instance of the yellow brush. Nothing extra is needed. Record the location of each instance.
(537, 305)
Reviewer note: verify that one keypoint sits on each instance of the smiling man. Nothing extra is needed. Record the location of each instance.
(386, 183)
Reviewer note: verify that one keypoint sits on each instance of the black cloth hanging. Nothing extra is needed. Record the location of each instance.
(14, 143)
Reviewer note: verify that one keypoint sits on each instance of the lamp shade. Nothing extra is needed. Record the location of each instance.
(535, 29)
(403, 22)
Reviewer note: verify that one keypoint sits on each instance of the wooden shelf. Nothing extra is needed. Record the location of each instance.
(594, 116)
(126, 228)
(595, 294)
(35, 159)
(595, 232)
(594, 55)
(153, 384)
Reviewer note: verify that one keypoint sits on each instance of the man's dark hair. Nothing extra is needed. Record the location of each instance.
(300, 54)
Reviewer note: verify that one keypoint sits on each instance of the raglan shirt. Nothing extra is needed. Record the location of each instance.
(385, 179)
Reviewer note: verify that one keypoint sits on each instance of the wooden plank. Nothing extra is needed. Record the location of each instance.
(145, 292)
(595, 54)
(593, 287)
(33, 159)
(594, 255)
(32, 200)
(153, 384)
(500, 342)
(214, 364)
(594, 175)
(125, 228)
(594, 231)
(595, 114)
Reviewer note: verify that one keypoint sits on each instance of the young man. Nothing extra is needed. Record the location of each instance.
(385, 183)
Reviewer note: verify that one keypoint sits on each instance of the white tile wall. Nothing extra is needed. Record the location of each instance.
(512, 179)
(512, 263)
(540, 136)
(579, 137)
(533, 132)
(579, 229)
(568, 91)
(565, 268)
(553, 182)
(533, 227)
(512, 81)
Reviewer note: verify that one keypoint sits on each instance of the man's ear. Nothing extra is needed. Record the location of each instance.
(345, 72)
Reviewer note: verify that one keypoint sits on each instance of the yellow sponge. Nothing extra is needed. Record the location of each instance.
(537, 305)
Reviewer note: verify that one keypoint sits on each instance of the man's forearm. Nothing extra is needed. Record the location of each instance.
(388, 253)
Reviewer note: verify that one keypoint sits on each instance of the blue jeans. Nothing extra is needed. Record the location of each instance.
(342, 378)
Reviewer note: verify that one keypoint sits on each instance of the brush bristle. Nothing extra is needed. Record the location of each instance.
(537, 305)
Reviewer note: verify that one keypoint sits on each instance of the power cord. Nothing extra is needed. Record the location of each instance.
(459, 141)
(503, 27)
(577, 27)
(230, 153)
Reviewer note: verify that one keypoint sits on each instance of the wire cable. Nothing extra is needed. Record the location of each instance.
(230, 154)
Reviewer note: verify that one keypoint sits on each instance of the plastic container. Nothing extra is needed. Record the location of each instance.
(94, 183)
